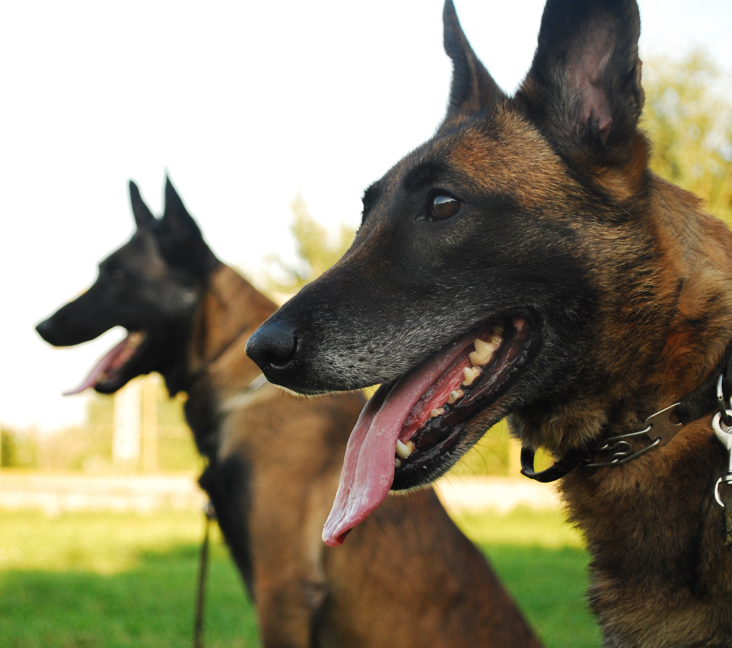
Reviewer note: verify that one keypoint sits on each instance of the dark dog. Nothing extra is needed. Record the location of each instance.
(526, 262)
(408, 578)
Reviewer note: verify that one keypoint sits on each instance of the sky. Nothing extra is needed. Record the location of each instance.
(244, 104)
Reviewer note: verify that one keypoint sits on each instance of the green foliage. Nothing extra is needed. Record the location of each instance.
(490, 456)
(74, 448)
(317, 250)
(17, 449)
(88, 447)
(688, 117)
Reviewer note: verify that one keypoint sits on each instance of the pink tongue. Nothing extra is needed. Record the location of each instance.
(368, 468)
(98, 371)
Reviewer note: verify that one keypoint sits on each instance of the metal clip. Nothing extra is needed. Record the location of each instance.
(661, 426)
(209, 511)
(723, 432)
(724, 413)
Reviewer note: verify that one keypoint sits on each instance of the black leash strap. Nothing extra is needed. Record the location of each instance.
(209, 514)
(556, 471)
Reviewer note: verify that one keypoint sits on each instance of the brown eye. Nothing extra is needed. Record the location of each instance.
(444, 207)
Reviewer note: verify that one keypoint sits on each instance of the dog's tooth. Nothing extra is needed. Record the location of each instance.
(397, 463)
(455, 396)
(437, 412)
(483, 352)
(469, 375)
(496, 339)
(498, 329)
(403, 450)
(135, 339)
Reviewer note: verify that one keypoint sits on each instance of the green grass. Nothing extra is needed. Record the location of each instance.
(105, 580)
(542, 561)
(88, 580)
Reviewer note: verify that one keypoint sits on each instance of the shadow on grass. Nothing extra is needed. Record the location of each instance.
(149, 605)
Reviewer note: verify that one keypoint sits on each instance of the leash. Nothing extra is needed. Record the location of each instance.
(208, 514)
(659, 429)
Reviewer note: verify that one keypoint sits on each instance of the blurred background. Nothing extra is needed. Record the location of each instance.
(270, 119)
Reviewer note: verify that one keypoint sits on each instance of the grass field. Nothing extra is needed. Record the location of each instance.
(88, 580)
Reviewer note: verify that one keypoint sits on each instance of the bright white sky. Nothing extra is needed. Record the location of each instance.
(245, 104)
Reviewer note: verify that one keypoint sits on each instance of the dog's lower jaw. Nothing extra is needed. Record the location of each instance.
(460, 415)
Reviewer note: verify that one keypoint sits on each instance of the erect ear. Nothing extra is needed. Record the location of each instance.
(473, 89)
(584, 83)
(180, 239)
(143, 215)
(176, 219)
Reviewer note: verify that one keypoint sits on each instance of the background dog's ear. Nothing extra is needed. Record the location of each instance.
(473, 89)
(584, 84)
(143, 215)
(180, 240)
(176, 218)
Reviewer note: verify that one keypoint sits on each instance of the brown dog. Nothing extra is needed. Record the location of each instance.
(408, 577)
(526, 262)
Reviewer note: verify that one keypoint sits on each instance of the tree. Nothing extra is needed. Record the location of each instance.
(316, 248)
(688, 117)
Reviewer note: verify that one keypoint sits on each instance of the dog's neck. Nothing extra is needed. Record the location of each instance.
(654, 520)
(697, 262)
(230, 310)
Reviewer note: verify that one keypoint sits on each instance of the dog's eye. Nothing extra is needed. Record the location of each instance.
(444, 207)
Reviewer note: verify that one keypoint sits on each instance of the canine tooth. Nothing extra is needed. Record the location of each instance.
(397, 463)
(470, 374)
(403, 450)
(483, 352)
(437, 412)
(455, 396)
(497, 340)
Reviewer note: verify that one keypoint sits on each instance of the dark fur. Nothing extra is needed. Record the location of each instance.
(407, 578)
(625, 283)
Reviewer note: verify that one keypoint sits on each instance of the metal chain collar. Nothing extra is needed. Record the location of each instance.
(658, 430)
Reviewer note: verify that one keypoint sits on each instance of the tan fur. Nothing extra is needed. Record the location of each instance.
(407, 577)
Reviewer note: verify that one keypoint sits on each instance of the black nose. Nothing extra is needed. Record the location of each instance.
(45, 329)
(272, 346)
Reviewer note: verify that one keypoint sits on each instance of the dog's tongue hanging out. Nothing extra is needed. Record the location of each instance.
(368, 468)
(111, 362)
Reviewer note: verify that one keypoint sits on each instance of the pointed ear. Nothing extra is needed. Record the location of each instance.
(143, 215)
(472, 89)
(585, 79)
(180, 239)
(176, 218)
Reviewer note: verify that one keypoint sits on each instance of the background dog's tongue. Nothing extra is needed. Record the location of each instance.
(98, 371)
(368, 468)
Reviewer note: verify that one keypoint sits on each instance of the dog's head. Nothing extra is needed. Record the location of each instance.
(151, 287)
(506, 266)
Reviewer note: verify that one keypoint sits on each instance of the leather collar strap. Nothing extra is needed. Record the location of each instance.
(691, 407)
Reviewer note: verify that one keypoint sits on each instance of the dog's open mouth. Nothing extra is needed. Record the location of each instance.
(107, 375)
(408, 426)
